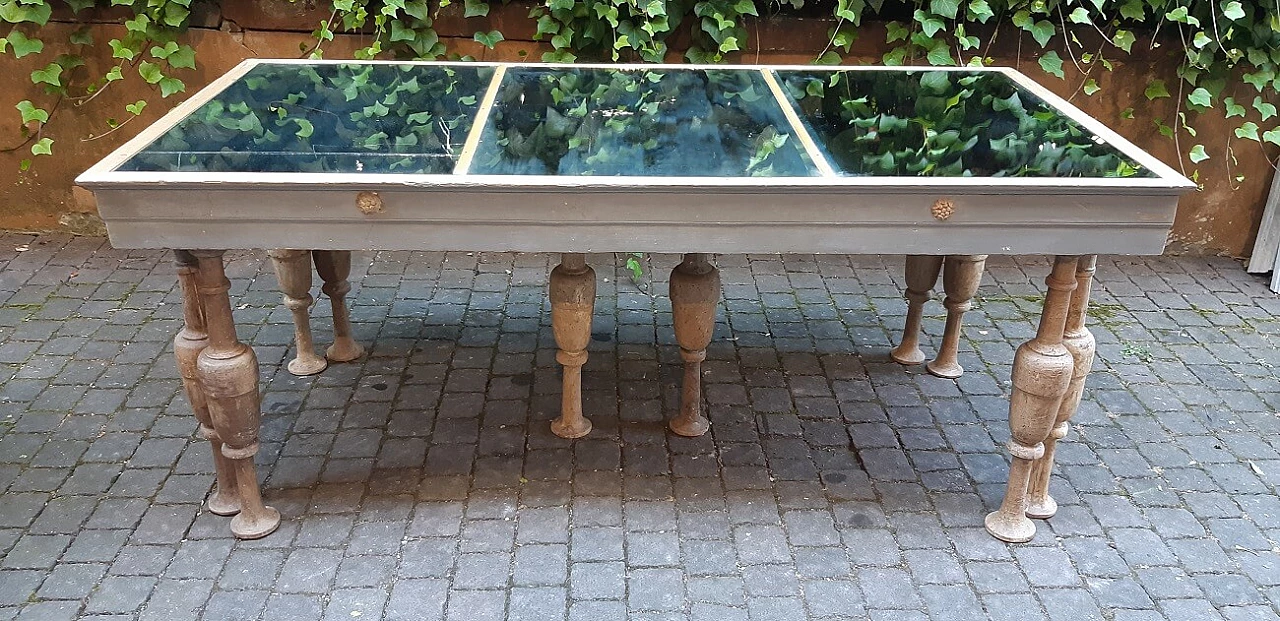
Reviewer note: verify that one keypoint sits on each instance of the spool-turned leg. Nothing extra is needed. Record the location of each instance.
(922, 275)
(961, 275)
(187, 345)
(293, 270)
(1080, 342)
(334, 267)
(1042, 371)
(228, 371)
(695, 292)
(573, 297)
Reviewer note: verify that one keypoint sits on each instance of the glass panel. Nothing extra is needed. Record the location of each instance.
(327, 118)
(945, 124)
(667, 123)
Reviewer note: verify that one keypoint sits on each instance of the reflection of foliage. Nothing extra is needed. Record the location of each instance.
(935, 123)
(314, 118)
(661, 123)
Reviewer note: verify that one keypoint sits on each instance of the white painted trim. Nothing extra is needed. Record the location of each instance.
(798, 126)
(168, 121)
(478, 124)
(103, 174)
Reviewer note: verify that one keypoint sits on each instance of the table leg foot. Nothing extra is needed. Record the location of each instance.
(1080, 342)
(1042, 371)
(922, 275)
(228, 372)
(961, 275)
(573, 294)
(187, 345)
(695, 292)
(293, 271)
(334, 267)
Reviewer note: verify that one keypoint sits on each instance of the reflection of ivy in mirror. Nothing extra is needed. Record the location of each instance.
(317, 118)
(946, 124)
(660, 123)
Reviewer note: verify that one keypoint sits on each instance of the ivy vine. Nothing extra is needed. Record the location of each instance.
(1229, 49)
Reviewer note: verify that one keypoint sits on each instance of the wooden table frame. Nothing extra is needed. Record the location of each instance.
(202, 214)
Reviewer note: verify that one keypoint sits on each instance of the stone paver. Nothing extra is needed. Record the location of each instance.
(422, 482)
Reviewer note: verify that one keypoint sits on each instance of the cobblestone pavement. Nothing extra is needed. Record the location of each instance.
(422, 481)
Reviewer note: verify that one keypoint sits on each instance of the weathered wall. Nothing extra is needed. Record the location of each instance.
(1219, 219)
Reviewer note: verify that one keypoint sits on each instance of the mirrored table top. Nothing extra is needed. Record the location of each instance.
(269, 120)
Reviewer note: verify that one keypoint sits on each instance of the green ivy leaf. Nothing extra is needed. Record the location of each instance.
(1127, 113)
(169, 86)
(138, 24)
(1042, 31)
(1249, 131)
(1233, 10)
(51, 75)
(305, 128)
(1201, 39)
(1200, 97)
(402, 32)
(114, 74)
(417, 9)
(475, 8)
(136, 107)
(31, 113)
(832, 57)
(1052, 64)
(1080, 16)
(1091, 87)
(1233, 108)
(175, 15)
(940, 55)
(82, 36)
(946, 8)
(164, 52)
(930, 24)
(1267, 110)
(1197, 154)
(1156, 90)
(1123, 39)
(16, 12)
(1133, 9)
(1272, 136)
(729, 44)
(1260, 78)
(980, 10)
(150, 72)
(183, 58)
(43, 146)
(120, 50)
(23, 46)
(895, 31)
(492, 38)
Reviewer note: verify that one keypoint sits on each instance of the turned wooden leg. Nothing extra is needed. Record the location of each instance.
(228, 371)
(187, 345)
(961, 275)
(293, 270)
(334, 267)
(1041, 374)
(922, 275)
(1080, 343)
(695, 291)
(573, 297)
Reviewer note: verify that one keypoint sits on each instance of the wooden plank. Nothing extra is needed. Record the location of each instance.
(1267, 246)
(674, 221)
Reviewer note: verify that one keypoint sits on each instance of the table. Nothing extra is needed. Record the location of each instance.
(321, 158)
